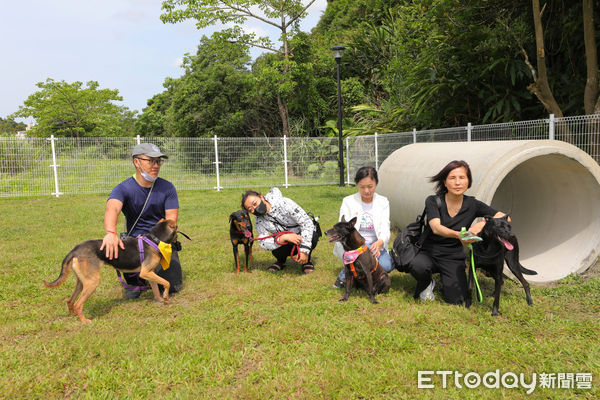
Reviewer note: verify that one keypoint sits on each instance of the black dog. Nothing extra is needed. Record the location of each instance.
(499, 244)
(240, 231)
(365, 267)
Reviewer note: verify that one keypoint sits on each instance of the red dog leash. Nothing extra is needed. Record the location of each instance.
(276, 236)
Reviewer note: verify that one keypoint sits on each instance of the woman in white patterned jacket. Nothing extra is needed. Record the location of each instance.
(274, 214)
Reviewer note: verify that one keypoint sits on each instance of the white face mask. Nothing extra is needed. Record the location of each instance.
(146, 175)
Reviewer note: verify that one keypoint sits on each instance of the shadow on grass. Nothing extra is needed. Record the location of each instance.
(102, 306)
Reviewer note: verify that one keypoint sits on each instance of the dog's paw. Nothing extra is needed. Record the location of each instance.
(343, 299)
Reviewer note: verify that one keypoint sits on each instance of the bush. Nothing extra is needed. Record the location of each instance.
(18, 155)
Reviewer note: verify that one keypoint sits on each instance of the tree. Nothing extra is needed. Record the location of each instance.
(10, 126)
(153, 119)
(432, 63)
(69, 109)
(283, 15)
(561, 83)
(540, 86)
(212, 97)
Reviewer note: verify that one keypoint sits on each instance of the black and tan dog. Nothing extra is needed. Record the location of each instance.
(86, 259)
(499, 244)
(365, 267)
(240, 232)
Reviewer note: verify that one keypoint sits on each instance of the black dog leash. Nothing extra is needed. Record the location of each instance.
(185, 236)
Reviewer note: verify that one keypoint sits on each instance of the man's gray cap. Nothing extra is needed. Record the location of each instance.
(147, 149)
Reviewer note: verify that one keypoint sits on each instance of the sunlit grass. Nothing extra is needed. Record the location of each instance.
(263, 335)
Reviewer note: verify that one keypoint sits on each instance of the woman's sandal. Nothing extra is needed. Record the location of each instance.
(308, 268)
(275, 267)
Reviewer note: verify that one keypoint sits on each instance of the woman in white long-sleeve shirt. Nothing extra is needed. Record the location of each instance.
(274, 214)
(373, 219)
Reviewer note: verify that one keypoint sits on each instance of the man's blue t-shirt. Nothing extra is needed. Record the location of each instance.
(133, 196)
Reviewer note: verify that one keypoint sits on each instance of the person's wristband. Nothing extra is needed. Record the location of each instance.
(114, 233)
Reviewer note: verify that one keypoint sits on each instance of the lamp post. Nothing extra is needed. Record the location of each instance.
(339, 50)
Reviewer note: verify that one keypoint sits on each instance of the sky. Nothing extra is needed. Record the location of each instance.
(121, 44)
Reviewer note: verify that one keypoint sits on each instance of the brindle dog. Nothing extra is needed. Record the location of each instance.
(499, 244)
(240, 232)
(366, 267)
(86, 259)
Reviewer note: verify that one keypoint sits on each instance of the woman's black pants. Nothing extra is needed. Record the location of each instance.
(283, 252)
(451, 268)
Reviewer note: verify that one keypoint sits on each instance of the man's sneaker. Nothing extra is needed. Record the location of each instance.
(338, 284)
(427, 294)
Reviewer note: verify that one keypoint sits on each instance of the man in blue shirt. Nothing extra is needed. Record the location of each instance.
(144, 199)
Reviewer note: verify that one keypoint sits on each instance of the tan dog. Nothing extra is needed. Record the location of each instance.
(86, 259)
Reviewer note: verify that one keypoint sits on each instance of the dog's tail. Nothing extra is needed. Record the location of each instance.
(527, 271)
(515, 253)
(64, 272)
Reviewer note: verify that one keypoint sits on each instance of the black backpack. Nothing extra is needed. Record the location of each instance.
(408, 243)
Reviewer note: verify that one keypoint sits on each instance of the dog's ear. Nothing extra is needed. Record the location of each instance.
(352, 222)
(231, 216)
(343, 219)
(172, 224)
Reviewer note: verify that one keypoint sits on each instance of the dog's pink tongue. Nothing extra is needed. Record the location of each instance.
(247, 233)
(507, 244)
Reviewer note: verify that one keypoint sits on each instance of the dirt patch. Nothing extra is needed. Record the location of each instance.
(593, 271)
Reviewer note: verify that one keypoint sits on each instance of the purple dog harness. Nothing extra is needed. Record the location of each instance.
(141, 240)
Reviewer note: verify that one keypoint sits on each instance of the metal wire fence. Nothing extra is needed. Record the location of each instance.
(61, 166)
(581, 131)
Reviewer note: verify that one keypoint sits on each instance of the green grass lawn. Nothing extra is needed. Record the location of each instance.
(263, 335)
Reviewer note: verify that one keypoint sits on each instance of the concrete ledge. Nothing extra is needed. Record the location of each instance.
(550, 188)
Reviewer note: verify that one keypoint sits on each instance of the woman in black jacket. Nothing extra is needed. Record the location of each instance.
(443, 248)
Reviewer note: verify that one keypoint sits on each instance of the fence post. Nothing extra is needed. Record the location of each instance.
(551, 127)
(347, 161)
(469, 127)
(376, 154)
(54, 165)
(217, 163)
(414, 135)
(285, 161)
(137, 138)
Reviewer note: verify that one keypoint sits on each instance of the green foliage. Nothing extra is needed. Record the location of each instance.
(70, 109)
(152, 121)
(9, 126)
(211, 98)
(285, 15)
(446, 62)
(17, 155)
(324, 153)
(421, 63)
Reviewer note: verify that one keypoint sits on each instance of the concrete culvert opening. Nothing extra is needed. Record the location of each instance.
(551, 189)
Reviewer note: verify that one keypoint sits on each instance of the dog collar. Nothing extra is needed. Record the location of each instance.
(351, 255)
(153, 238)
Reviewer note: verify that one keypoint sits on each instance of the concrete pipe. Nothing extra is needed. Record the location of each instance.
(551, 190)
